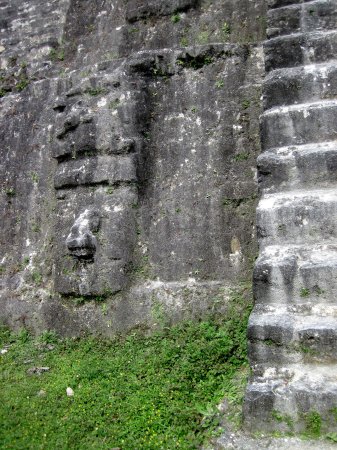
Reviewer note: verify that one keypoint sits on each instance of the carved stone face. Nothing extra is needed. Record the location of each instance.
(81, 241)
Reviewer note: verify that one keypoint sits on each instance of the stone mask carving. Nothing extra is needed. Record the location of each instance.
(81, 241)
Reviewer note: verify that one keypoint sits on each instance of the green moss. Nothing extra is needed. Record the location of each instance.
(137, 392)
(283, 418)
(313, 424)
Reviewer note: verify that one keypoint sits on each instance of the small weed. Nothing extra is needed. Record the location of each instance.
(203, 37)
(175, 18)
(317, 290)
(231, 202)
(99, 298)
(114, 104)
(22, 84)
(110, 190)
(241, 157)
(37, 277)
(23, 336)
(305, 292)
(10, 192)
(219, 84)
(332, 437)
(313, 423)
(34, 176)
(225, 31)
(147, 135)
(195, 62)
(48, 337)
(246, 104)
(56, 54)
(95, 91)
(25, 261)
(36, 227)
(283, 418)
(184, 42)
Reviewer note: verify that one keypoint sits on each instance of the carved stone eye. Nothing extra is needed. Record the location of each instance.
(81, 241)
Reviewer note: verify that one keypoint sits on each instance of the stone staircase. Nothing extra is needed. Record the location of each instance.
(293, 328)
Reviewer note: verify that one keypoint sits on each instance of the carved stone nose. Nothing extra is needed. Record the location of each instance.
(81, 241)
(82, 246)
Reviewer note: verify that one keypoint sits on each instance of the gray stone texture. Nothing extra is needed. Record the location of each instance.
(129, 132)
(292, 330)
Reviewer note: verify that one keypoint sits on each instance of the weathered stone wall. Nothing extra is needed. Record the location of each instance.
(129, 132)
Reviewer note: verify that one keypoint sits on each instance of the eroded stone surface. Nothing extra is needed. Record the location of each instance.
(130, 133)
(292, 335)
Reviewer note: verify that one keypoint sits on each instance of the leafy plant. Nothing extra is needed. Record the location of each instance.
(94, 91)
(34, 176)
(305, 292)
(175, 18)
(225, 31)
(313, 423)
(36, 277)
(57, 54)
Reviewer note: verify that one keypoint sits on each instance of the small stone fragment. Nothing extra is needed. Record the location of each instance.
(37, 370)
(41, 393)
(70, 392)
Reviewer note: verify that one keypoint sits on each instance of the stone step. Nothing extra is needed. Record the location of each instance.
(313, 16)
(299, 124)
(290, 398)
(301, 166)
(282, 337)
(299, 49)
(297, 217)
(299, 276)
(302, 84)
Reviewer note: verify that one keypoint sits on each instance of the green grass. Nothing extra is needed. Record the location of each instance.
(137, 392)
